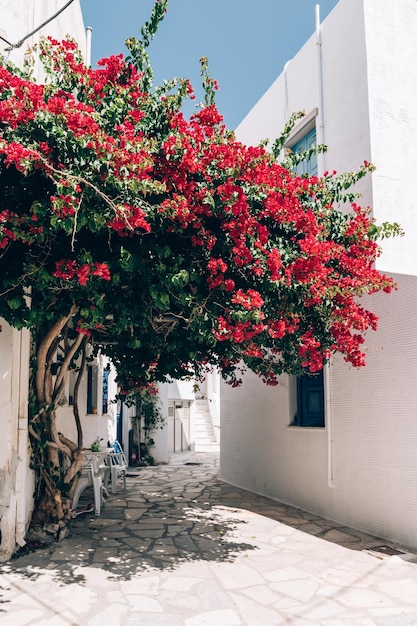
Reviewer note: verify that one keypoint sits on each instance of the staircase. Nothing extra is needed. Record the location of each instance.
(205, 438)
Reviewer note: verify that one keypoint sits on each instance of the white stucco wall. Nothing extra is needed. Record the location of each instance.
(375, 426)
(214, 401)
(98, 425)
(186, 391)
(371, 482)
(181, 390)
(362, 471)
(391, 38)
(18, 18)
(345, 95)
(369, 78)
(16, 481)
(160, 436)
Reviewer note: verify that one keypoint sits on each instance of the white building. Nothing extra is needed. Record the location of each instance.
(356, 78)
(18, 18)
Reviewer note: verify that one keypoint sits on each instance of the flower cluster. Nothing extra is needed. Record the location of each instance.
(218, 253)
(68, 269)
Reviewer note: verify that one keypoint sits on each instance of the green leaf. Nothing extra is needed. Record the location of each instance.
(14, 303)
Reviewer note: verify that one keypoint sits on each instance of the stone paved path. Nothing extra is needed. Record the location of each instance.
(180, 548)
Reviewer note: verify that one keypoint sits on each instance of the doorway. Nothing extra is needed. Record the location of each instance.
(178, 426)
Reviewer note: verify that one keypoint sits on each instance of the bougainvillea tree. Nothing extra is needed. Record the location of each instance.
(163, 241)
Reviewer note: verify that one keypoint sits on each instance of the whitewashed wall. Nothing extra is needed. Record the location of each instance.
(391, 36)
(160, 436)
(375, 425)
(17, 18)
(361, 469)
(98, 425)
(20, 17)
(366, 475)
(186, 390)
(181, 390)
(369, 70)
(16, 482)
(344, 76)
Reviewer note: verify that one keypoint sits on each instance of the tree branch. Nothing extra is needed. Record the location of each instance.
(42, 352)
(75, 399)
(63, 370)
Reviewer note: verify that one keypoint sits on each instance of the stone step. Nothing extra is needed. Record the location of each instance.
(207, 447)
(205, 438)
(202, 430)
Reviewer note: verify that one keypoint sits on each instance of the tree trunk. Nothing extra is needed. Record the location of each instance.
(56, 459)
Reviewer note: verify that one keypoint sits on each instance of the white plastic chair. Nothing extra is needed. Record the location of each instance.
(118, 468)
(91, 476)
(118, 448)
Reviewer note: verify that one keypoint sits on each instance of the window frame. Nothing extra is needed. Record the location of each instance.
(92, 389)
(299, 134)
(105, 391)
(302, 418)
(302, 128)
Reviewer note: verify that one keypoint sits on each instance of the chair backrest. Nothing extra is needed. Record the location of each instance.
(119, 450)
(118, 459)
(117, 447)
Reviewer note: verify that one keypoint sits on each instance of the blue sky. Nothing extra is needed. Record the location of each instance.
(247, 42)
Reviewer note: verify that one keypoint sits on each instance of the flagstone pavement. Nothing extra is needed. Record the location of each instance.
(181, 548)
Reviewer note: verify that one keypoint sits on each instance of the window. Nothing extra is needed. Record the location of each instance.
(105, 401)
(310, 400)
(309, 393)
(72, 380)
(305, 143)
(92, 376)
(303, 137)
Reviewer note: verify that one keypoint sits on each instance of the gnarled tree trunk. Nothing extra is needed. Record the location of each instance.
(56, 460)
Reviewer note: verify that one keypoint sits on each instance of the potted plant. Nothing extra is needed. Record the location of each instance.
(95, 446)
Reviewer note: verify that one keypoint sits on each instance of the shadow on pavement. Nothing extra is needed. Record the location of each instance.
(160, 522)
(168, 516)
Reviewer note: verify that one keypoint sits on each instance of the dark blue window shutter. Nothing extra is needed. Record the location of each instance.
(310, 400)
(105, 391)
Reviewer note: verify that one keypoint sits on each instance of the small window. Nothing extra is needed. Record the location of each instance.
(92, 378)
(71, 386)
(309, 166)
(310, 400)
(105, 401)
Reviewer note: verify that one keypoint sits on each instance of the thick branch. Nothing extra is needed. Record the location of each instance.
(61, 447)
(75, 398)
(63, 370)
(72, 472)
(48, 381)
(54, 494)
(80, 179)
(71, 445)
(41, 361)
